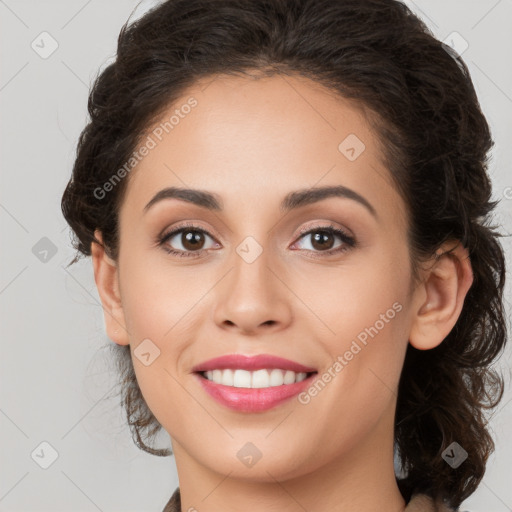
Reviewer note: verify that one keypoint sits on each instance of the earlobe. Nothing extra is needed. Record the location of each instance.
(440, 297)
(107, 283)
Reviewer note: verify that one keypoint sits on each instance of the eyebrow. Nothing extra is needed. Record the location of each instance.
(291, 201)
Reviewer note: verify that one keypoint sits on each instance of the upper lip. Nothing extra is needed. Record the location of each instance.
(258, 362)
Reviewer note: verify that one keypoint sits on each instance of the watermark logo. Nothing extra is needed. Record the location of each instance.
(146, 352)
(249, 249)
(249, 454)
(44, 250)
(456, 42)
(351, 147)
(44, 455)
(44, 45)
(454, 455)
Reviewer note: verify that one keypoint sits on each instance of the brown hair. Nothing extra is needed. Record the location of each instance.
(435, 140)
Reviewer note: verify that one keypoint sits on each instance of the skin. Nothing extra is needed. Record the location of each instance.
(251, 142)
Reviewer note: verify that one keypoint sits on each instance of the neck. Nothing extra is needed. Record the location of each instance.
(361, 480)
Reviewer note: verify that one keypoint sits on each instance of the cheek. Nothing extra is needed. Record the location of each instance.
(159, 299)
(362, 319)
(163, 305)
(352, 295)
(361, 375)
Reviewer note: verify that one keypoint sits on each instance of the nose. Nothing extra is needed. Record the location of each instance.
(252, 298)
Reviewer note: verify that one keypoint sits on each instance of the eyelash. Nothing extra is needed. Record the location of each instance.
(348, 241)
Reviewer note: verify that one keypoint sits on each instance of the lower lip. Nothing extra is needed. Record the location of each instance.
(253, 399)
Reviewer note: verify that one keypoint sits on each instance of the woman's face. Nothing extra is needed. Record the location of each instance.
(251, 281)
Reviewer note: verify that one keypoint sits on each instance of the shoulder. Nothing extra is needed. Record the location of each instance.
(424, 503)
(174, 504)
(418, 503)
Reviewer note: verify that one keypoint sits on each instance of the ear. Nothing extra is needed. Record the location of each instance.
(107, 282)
(440, 297)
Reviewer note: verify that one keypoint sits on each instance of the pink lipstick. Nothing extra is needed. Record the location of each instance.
(254, 399)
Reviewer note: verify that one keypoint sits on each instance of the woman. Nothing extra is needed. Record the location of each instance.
(286, 203)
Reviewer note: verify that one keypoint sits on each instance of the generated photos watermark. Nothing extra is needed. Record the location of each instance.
(151, 142)
(358, 343)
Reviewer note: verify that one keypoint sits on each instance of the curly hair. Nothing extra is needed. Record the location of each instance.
(435, 140)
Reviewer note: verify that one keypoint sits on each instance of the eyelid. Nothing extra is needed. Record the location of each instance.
(325, 224)
(348, 240)
(182, 226)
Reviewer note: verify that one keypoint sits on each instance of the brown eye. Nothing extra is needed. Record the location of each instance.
(186, 241)
(322, 240)
(192, 240)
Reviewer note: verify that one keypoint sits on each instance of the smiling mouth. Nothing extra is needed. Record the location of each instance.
(256, 379)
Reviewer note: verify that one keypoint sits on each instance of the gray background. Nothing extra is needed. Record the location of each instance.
(56, 382)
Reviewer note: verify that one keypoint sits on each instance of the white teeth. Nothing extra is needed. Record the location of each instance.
(242, 379)
(256, 379)
(260, 379)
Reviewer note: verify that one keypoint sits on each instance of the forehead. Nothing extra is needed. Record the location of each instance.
(264, 136)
